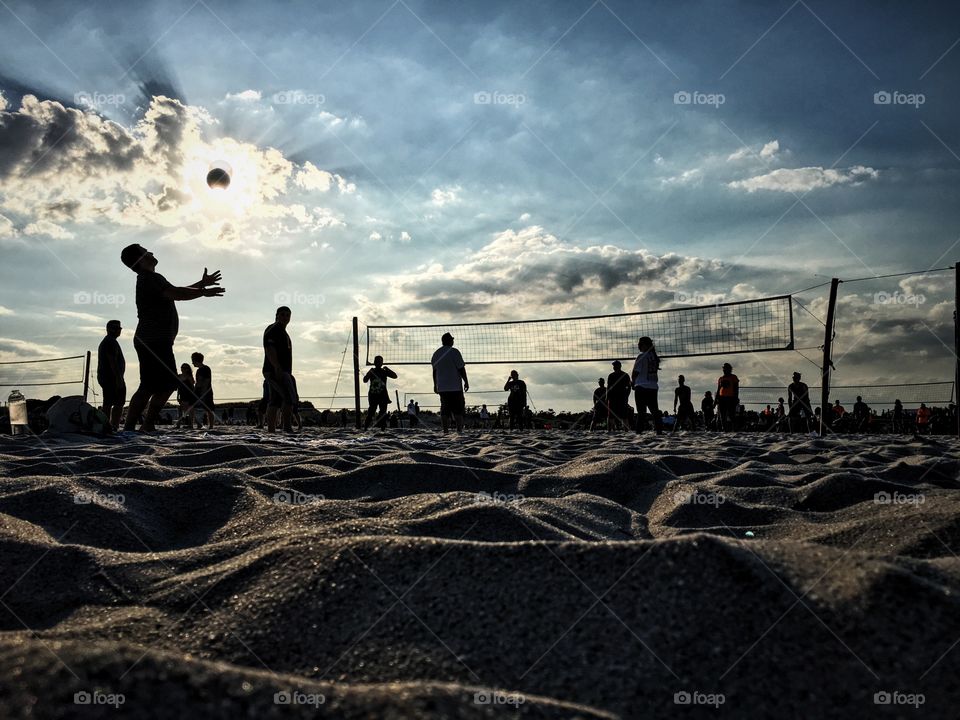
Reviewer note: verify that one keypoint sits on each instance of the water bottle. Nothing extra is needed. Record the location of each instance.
(17, 404)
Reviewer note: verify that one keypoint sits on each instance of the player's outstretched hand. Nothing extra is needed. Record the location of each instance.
(210, 279)
(213, 291)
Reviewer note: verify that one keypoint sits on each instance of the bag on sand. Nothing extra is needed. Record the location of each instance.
(73, 415)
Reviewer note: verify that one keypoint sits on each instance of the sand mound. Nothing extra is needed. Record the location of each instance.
(412, 575)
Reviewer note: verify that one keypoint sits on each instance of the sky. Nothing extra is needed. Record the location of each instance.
(415, 162)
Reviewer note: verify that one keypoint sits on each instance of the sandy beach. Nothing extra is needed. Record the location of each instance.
(229, 574)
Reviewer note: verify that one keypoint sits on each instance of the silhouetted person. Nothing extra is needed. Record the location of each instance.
(110, 369)
(528, 417)
(728, 397)
(618, 397)
(798, 396)
(412, 414)
(450, 382)
(599, 404)
(157, 326)
(898, 425)
(707, 407)
(186, 396)
(484, 417)
(378, 396)
(682, 405)
(645, 384)
(861, 414)
(203, 388)
(781, 415)
(923, 419)
(516, 400)
(278, 371)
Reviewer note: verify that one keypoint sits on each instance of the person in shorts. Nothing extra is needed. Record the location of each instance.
(204, 388)
(278, 371)
(450, 382)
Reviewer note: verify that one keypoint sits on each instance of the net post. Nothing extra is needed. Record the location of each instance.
(356, 371)
(827, 349)
(956, 343)
(86, 376)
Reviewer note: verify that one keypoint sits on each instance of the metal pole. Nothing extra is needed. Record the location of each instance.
(356, 370)
(827, 350)
(956, 343)
(86, 376)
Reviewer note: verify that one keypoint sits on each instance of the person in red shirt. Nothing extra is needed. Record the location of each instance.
(923, 419)
(728, 397)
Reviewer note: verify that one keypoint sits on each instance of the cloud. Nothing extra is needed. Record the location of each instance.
(694, 176)
(245, 96)
(531, 273)
(770, 149)
(797, 180)
(767, 152)
(445, 196)
(152, 175)
(376, 236)
(7, 228)
(6, 312)
(45, 227)
(78, 315)
(405, 236)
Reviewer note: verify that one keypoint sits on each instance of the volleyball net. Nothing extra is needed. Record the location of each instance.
(46, 377)
(934, 393)
(746, 326)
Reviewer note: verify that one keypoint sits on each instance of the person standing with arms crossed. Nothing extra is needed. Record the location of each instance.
(450, 382)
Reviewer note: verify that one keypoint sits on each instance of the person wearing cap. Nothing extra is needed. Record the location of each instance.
(728, 397)
(618, 398)
(798, 402)
(599, 404)
(450, 382)
(110, 369)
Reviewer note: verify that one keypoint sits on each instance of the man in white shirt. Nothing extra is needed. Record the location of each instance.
(646, 384)
(450, 382)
